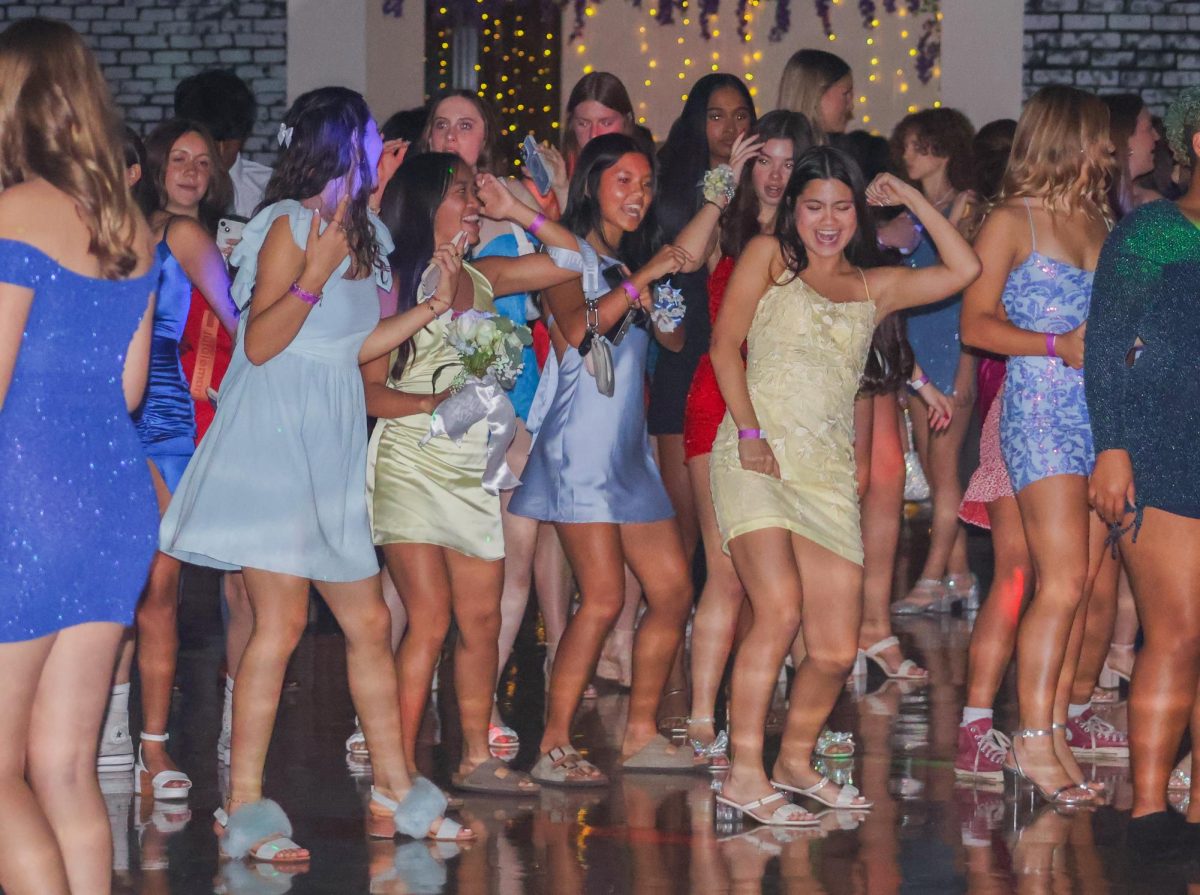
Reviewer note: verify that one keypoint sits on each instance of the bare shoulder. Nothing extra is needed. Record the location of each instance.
(26, 208)
(188, 234)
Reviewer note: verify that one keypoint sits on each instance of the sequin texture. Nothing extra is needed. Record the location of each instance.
(1147, 401)
(1044, 426)
(77, 510)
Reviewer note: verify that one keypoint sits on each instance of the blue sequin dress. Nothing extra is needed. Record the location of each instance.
(279, 482)
(1044, 424)
(514, 308)
(591, 459)
(77, 510)
(166, 420)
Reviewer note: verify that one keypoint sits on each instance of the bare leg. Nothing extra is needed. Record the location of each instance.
(616, 656)
(475, 586)
(31, 862)
(594, 551)
(520, 542)
(1164, 568)
(552, 578)
(1124, 635)
(940, 453)
(882, 505)
(1098, 631)
(124, 666)
(994, 637)
(655, 552)
(673, 466)
(716, 620)
(241, 619)
(158, 647)
(1057, 521)
(423, 579)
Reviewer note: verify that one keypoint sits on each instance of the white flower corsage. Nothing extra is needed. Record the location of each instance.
(668, 307)
(718, 183)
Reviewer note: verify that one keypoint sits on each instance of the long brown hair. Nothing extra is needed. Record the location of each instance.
(491, 127)
(152, 189)
(606, 89)
(1062, 138)
(57, 122)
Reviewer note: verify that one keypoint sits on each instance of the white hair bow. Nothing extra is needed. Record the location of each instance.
(285, 135)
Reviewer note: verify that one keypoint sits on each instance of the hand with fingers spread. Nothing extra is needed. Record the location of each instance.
(326, 250)
(888, 190)
(1069, 346)
(756, 456)
(745, 148)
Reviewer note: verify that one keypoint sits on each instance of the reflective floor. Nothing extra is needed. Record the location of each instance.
(648, 833)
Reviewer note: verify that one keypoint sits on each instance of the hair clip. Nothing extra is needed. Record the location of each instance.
(285, 135)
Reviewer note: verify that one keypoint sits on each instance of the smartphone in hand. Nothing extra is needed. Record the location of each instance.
(538, 172)
(229, 234)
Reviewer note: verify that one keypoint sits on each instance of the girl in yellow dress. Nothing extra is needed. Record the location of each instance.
(439, 527)
(783, 463)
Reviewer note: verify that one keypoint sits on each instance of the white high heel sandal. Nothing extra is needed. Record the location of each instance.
(160, 784)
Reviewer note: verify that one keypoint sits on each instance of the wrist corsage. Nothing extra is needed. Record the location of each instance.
(718, 184)
(668, 309)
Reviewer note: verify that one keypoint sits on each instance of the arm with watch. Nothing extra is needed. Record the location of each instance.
(941, 408)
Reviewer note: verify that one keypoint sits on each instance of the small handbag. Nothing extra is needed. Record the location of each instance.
(916, 486)
(595, 349)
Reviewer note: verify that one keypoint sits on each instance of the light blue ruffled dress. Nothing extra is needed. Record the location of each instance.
(279, 481)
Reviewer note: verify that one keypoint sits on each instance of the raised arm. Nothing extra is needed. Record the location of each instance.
(202, 261)
(895, 288)
(398, 329)
(699, 236)
(750, 280)
(984, 324)
(276, 313)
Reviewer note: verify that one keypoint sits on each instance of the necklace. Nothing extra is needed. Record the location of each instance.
(941, 200)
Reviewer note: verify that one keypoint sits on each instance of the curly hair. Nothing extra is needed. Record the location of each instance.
(942, 133)
(327, 130)
(57, 122)
(1182, 123)
(1062, 139)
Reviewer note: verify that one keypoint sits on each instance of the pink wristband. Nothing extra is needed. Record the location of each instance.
(310, 298)
(632, 293)
(748, 434)
(1050, 346)
(536, 225)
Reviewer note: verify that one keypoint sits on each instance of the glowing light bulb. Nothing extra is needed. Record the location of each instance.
(833, 37)
(866, 119)
(903, 88)
(874, 60)
(587, 69)
(653, 63)
(870, 41)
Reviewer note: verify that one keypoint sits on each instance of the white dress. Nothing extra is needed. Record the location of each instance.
(279, 481)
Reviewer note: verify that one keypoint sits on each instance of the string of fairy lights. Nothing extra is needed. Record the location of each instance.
(518, 53)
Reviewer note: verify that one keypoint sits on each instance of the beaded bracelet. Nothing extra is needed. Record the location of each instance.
(304, 295)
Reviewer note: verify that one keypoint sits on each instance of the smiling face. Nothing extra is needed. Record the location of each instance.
(837, 106)
(1141, 145)
(626, 191)
(826, 219)
(458, 128)
(726, 118)
(187, 173)
(459, 209)
(771, 171)
(594, 119)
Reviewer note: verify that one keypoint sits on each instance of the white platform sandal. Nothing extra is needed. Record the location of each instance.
(159, 786)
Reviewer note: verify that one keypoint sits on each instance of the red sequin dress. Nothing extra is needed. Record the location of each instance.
(705, 406)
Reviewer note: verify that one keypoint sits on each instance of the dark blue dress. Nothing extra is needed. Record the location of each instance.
(166, 420)
(78, 518)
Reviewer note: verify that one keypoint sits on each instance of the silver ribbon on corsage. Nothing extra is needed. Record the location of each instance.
(480, 399)
(668, 309)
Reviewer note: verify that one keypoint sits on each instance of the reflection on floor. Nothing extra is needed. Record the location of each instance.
(647, 834)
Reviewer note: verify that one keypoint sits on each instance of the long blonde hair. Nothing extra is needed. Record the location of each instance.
(1062, 153)
(806, 78)
(57, 122)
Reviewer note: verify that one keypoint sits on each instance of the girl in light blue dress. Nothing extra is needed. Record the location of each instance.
(278, 485)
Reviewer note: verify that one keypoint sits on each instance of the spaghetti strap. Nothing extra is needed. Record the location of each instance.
(864, 279)
(1032, 231)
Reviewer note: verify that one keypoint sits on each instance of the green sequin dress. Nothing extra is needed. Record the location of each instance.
(1142, 359)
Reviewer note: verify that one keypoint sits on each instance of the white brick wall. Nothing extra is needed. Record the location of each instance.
(1149, 47)
(147, 46)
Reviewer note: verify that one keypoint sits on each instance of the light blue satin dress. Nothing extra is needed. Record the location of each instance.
(591, 459)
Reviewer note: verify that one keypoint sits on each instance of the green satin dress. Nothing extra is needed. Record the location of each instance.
(433, 493)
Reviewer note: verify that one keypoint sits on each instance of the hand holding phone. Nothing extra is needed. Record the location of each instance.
(538, 172)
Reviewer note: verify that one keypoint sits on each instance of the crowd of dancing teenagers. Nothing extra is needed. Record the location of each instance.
(772, 433)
